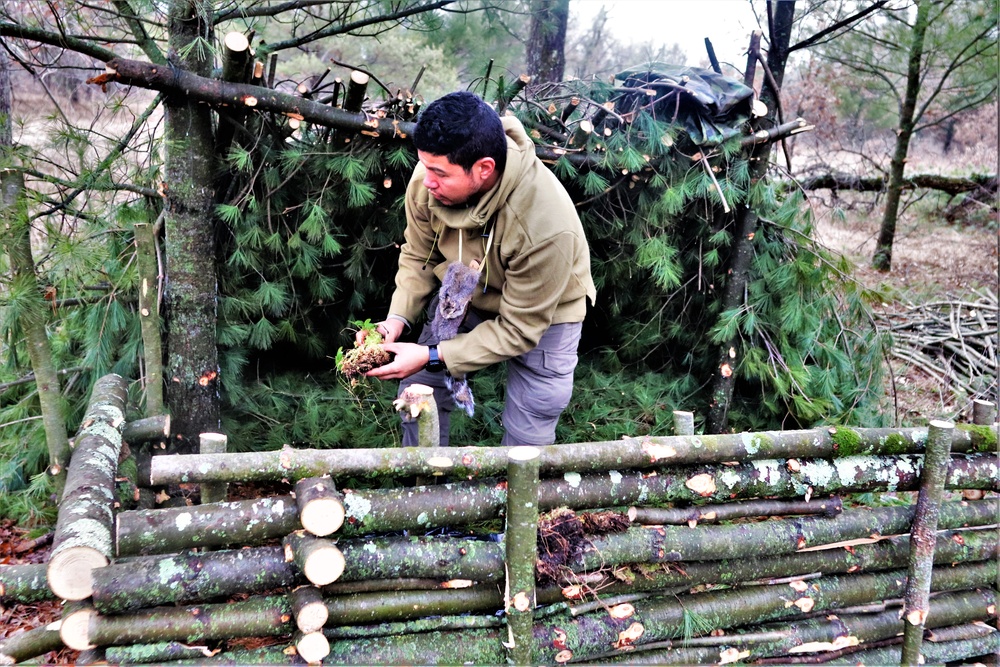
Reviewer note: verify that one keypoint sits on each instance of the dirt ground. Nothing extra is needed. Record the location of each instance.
(932, 260)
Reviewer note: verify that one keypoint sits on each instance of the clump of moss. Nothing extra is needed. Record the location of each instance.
(895, 443)
(847, 442)
(984, 438)
(363, 357)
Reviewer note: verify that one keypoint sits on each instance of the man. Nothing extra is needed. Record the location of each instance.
(481, 197)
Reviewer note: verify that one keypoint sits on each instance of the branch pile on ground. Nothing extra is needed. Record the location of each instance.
(669, 553)
(952, 341)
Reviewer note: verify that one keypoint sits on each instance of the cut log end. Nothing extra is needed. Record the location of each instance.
(75, 629)
(322, 516)
(324, 565)
(312, 617)
(524, 453)
(70, 572)
(312, 647)
(359, 78)
(236, 41)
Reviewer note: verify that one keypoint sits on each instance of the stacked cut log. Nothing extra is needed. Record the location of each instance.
(684, 549)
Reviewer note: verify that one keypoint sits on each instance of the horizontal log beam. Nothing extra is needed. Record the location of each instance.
(627, 453)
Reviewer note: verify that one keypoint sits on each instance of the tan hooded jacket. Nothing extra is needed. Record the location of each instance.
(538, 270)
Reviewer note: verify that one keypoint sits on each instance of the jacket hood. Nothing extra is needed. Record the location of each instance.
(520, 151)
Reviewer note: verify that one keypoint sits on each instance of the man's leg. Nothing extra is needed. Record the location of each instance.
(539, 387)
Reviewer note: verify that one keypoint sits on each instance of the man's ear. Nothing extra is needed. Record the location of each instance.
(485, 167)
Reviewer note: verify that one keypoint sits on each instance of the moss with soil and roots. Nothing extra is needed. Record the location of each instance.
(363, 357)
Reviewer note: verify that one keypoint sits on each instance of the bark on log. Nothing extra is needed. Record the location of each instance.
(24, 584)
(811, 636)
(683, 423)
(563, 638)
(461, 503)
(363, 608)
(984, 413)
(628, 453)
(691, 516)
(953, 547)
(317, 558)
(522, 552)
(931, 654)
(651, 544)
(922, 540)
(147, 429)
(149, 318)
(30, 644)
(953, 185)
(160, 652)
(321, 510)
(308, 609)
(83, 530)
(357, 85)
(267, 616)
(245, 522)
(429, 624)
(244, 96)
(190, 577)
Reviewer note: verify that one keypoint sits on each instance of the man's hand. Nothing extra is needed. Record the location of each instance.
(390, 330)
(409, 359)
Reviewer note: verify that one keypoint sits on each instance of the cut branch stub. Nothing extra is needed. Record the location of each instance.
(213, 443)
(319, 559)
(321, 509)
(356, 87)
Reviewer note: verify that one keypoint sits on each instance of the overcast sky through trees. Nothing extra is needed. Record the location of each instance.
(728, 23)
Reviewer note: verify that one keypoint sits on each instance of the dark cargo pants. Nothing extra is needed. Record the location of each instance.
(539, 386)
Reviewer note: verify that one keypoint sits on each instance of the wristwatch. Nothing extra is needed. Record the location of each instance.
(434, 365)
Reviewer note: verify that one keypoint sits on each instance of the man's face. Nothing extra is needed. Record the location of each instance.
(450, 184)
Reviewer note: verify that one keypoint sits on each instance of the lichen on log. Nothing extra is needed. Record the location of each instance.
(83, 533)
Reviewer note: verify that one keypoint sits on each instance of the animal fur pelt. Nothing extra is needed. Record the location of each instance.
(457, 286)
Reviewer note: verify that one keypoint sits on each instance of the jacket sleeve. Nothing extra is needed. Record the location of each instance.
(536, 281)
(415, 279)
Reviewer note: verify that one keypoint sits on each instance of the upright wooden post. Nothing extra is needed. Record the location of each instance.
(521, 539)
(916, 600)
(213, 443)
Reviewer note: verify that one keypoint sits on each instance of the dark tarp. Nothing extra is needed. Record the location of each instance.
(710, 106)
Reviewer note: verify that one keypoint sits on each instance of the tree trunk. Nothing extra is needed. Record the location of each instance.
(83, 533)
(628, 453)
(922, 540)
(191, 288)
(882, 261)
(546, 57)
(149, 316)
(16, 235)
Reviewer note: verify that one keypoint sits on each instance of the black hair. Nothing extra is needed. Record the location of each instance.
(462, 127)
